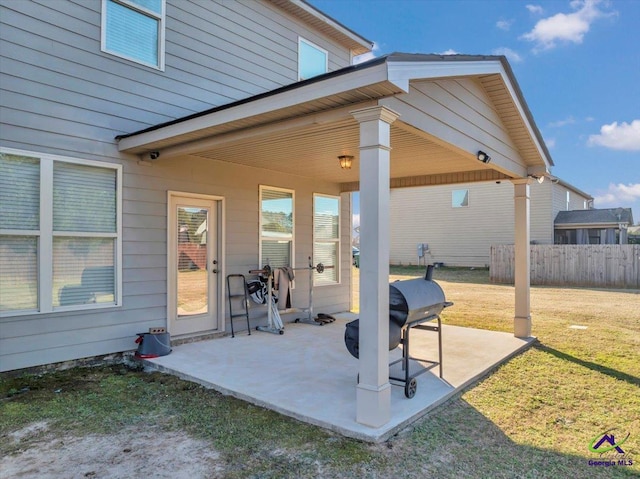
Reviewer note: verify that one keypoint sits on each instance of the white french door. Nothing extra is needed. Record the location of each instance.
(193, 269)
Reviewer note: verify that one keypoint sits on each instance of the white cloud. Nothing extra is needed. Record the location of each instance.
(504, 24)
(618, 195)
(537, 9)
(367, 56)
(511, 55)
(624, 136)
(589, 118)
(566, 27)
(450, 51)
(560, 123)
(356, 220)
(550, 142)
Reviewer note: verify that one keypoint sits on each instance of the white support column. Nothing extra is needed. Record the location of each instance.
(373, 393)
(522, 320)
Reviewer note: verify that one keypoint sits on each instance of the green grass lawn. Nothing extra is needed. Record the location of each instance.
(534, 417)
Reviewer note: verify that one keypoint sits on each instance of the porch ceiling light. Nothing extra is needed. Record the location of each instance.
(483, 157)
(345, 161)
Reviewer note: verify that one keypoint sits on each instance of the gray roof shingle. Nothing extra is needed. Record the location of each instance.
(595, 216)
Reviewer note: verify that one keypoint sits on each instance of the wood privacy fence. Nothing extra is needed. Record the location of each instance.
(616, 266)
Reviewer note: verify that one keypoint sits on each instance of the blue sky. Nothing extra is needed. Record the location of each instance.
(577, 63)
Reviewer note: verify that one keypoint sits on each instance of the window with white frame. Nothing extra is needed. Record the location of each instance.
(134, 29)
(276, 226)
(459, 198)
(326, 238)
(60, 233)
(312, 60)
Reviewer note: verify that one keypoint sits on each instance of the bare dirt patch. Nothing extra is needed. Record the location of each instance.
(129, 453)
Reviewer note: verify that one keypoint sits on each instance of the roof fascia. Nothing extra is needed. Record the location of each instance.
(368, 44)
(569, 186)
(309, 91)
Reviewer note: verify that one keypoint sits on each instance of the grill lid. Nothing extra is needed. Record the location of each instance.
(414, 299)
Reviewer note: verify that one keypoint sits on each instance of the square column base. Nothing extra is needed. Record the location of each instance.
(373, 406)
(522, 327)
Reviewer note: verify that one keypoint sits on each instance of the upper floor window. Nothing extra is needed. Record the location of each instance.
(134, 29)
(276, 227)
(312, 60)
(459, 198)
(60, 233)
(326, 238)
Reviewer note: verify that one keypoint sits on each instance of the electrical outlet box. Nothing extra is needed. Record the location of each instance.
(158, 330)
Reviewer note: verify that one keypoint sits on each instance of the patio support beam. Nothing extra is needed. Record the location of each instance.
(373, 393)
(522, 274)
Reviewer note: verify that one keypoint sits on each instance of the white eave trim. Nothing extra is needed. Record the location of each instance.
(331, 22)
(401, 72)
(289, 98)
(591, 226)
(395, 72)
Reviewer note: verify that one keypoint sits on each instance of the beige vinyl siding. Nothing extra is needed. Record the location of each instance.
(461, 236)
(453, 106)
(58, 83)
(26, 340)
(541, 215)
(576, 201)
(62, 95)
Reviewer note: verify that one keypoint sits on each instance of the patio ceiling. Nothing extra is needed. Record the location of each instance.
(302, 128)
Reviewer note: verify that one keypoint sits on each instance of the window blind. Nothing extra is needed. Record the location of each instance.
(327, 254)
(19, 192)
(83, 271)
(132, 33)
(276, 253)
(326, 235)
(18, 273)
(84, 198)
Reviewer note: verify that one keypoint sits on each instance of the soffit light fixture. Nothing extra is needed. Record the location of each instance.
(483, 157)
(539, 179)
(345, 161)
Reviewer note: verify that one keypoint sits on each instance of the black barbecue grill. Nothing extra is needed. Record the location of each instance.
(412, 303)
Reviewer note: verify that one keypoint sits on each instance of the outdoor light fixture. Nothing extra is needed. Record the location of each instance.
(539, 179)
(345, 161)
(483, 157)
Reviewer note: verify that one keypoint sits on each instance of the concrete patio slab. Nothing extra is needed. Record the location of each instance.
(307, 373)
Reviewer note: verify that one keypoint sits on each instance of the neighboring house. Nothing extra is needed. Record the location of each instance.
(124, 120)
(458, 223)
(596, 226)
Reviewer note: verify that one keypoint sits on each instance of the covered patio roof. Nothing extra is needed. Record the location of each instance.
(408, 120)
(450, 107)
